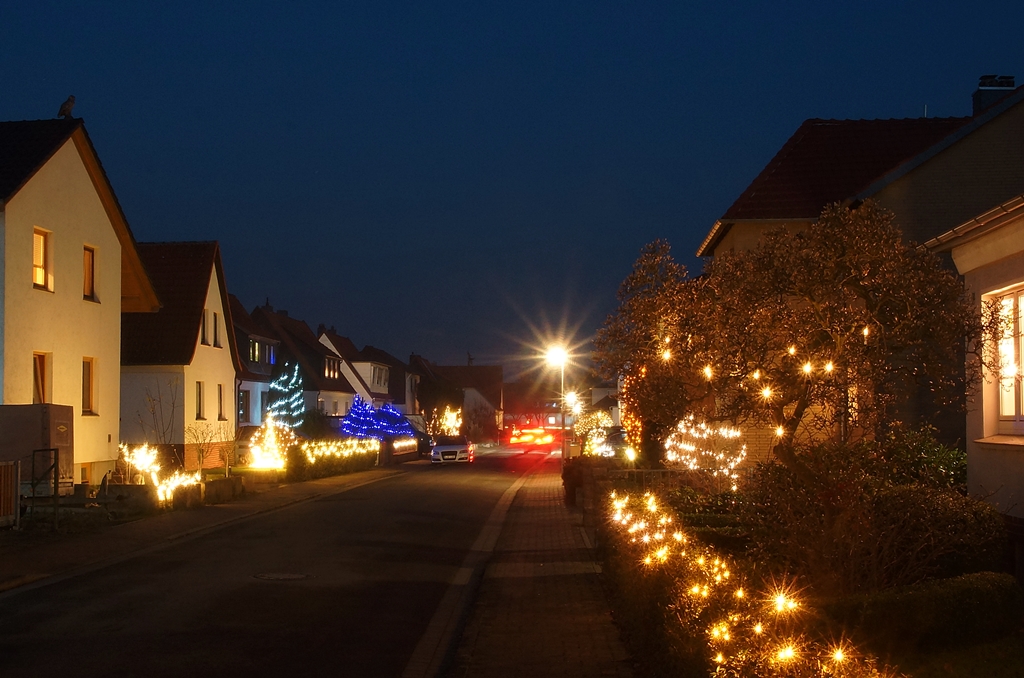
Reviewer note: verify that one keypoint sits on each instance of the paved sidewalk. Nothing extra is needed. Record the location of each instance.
(540, 610)
(49, 558)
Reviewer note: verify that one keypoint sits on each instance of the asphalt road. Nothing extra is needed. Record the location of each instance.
(344, 585)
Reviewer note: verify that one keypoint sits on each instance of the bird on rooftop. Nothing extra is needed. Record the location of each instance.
(65, 108)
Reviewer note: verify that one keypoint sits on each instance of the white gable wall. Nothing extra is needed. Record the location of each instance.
(61, 199)
(213, 366)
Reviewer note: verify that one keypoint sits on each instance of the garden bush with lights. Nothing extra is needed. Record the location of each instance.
(854, 534)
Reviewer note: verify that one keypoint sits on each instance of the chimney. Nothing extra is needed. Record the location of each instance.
(991, 90)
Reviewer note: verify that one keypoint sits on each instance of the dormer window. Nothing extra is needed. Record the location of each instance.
(332, 368)
(380, 376)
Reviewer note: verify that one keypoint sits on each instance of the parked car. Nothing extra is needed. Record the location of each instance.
(424, 442)
(448, 449)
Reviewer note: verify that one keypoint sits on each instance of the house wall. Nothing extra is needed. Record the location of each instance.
(152, 404)
(344, 401)
(746, 235)
(985, 168)
(61, 198)
(995, 463)
(257, 390)
(212, 365)
(365, 371)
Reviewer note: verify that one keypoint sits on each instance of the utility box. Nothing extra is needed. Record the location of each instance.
(25, 428)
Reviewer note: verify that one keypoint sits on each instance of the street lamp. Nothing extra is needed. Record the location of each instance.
(558, 356)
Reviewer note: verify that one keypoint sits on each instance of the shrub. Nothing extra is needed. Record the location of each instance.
(868, 517)
(968, 608)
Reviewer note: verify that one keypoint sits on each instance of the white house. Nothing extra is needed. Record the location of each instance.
(179, 365)
(989, 252)
(369, 378)
(70, 267)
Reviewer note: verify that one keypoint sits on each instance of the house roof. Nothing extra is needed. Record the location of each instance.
(345, 347)
(350, 354)
(487, 379)
(181, 273)
(245, 328)
(978, 226)
(301, 345)
(26, 145)
(828, 161)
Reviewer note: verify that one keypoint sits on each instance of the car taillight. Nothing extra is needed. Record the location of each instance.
(472, 452)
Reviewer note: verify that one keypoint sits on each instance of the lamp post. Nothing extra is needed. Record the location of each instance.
(558, 356)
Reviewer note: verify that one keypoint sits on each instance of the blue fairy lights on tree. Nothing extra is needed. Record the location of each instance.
(363, 421)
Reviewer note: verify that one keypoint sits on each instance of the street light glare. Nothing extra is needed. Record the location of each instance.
(557, 356)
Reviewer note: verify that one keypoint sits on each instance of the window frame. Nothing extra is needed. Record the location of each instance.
(1013, 338)
(41, 384)
(44, 266)
(220, 403)
(89, 274)
(200, 404)
(204, 338)
(88, 385)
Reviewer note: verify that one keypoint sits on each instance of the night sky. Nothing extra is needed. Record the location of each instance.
(477, 177)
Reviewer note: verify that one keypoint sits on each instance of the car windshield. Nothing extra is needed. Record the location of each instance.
(449, 440)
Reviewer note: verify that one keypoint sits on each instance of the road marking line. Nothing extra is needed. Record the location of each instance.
(438, 640)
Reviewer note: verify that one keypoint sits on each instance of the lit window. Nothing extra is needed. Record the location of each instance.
(199, 400)
(40, 378)
(254, 351)
(89, 274)
(270, 354)
(41, 259)
(88, 377)
(1011, 348)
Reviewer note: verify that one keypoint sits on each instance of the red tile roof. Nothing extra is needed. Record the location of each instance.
(180, 272)
(827, 161)
(245, 329)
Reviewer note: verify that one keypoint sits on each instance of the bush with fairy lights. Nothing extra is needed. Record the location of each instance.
(814, 344)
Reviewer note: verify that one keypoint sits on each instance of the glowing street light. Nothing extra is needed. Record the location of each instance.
(557, 356)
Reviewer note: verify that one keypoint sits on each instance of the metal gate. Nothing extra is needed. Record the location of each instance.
(10, 493)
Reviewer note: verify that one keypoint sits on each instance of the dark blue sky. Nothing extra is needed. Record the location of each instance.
(478, 176)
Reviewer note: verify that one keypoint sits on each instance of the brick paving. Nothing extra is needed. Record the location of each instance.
(541, 611)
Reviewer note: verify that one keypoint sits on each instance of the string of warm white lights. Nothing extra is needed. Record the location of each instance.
(288, 405)
(699, 446)
(144, 459)
(447, 423)
(750, 630)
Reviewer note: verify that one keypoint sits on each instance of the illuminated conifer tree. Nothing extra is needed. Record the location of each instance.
(287, 405)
